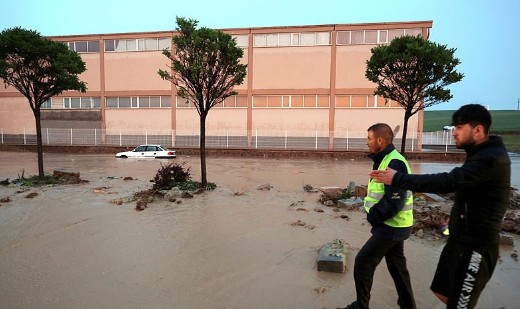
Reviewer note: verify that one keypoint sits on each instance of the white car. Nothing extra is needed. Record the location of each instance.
(448, 128)
(148, 151)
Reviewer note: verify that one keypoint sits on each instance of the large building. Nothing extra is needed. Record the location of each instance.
(302, 82)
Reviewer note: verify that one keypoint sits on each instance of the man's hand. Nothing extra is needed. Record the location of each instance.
(385, 176)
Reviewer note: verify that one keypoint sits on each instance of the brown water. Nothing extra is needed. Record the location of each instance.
(69, 247)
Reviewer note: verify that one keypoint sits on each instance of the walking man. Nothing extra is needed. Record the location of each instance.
(482, 188)
(390, 212)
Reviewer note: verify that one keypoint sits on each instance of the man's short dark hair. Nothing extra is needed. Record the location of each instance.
(473, 114)
(382, 130)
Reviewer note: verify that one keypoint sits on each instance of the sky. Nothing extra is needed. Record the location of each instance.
(483, 32)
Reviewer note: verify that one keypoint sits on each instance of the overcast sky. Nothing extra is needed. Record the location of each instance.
(485, 33)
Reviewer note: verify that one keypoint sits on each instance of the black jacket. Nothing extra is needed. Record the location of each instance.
(482, 187)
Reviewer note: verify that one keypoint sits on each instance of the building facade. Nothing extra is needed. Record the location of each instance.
(302, 82)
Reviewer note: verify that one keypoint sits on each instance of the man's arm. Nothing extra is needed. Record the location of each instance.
(469, 174)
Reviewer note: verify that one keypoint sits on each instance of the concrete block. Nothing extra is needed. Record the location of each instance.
(331, 192)
(332, 257)
(351, 203)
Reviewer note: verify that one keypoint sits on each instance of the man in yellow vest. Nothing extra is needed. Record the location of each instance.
(390, 212)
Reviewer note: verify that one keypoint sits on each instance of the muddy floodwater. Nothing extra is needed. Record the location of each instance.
(235, 247)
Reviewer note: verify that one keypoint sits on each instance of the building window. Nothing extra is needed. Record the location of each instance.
(343, 38)
(234, 101)
(184, 103)
(292, 39)
(137, 44)
(164, 43)
(83, 46)
(308, 39)
(372, 36)
(362, 101)
(383, 36)
(241, 39)
(295, 39)
(395, 33)
(323, 38)
(47, 104)
(260, 101)
(272, 39)
(82, 102)
(259, 40)
(139, 102)
(291, 101)
(357, 37)
(284, 39)
(412, 32)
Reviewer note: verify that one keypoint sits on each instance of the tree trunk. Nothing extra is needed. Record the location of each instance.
(203, 179)
(405, 130)
(39, 144)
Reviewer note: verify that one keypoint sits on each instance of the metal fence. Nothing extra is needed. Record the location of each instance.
(257, 139)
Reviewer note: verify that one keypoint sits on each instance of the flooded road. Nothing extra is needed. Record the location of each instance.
(235, 247)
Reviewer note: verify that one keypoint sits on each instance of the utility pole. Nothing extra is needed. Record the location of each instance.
(518, 105)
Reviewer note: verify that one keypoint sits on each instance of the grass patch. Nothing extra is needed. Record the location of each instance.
(505, 124)
(36, 181)
(503, 121)
(512, 142)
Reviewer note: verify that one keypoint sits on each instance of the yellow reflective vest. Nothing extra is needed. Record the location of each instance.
(376, 191)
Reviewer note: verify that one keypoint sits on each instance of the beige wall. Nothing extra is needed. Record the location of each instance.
(15, 115)
(91, 75)
(137, 119)
(290, 119)
(135, 71)
(232, 119)
(291, 67)
(244, 60)
(358, 120)
(351, 66)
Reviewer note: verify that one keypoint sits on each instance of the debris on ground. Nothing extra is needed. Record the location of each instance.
(303, 224)
(264, 187)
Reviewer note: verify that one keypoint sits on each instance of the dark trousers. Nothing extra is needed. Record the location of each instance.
(365, 265)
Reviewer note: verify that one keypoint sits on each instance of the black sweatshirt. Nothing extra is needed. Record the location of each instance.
(482, 188)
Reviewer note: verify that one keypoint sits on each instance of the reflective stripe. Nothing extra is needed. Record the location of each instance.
(370, 204)
(375, 195)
